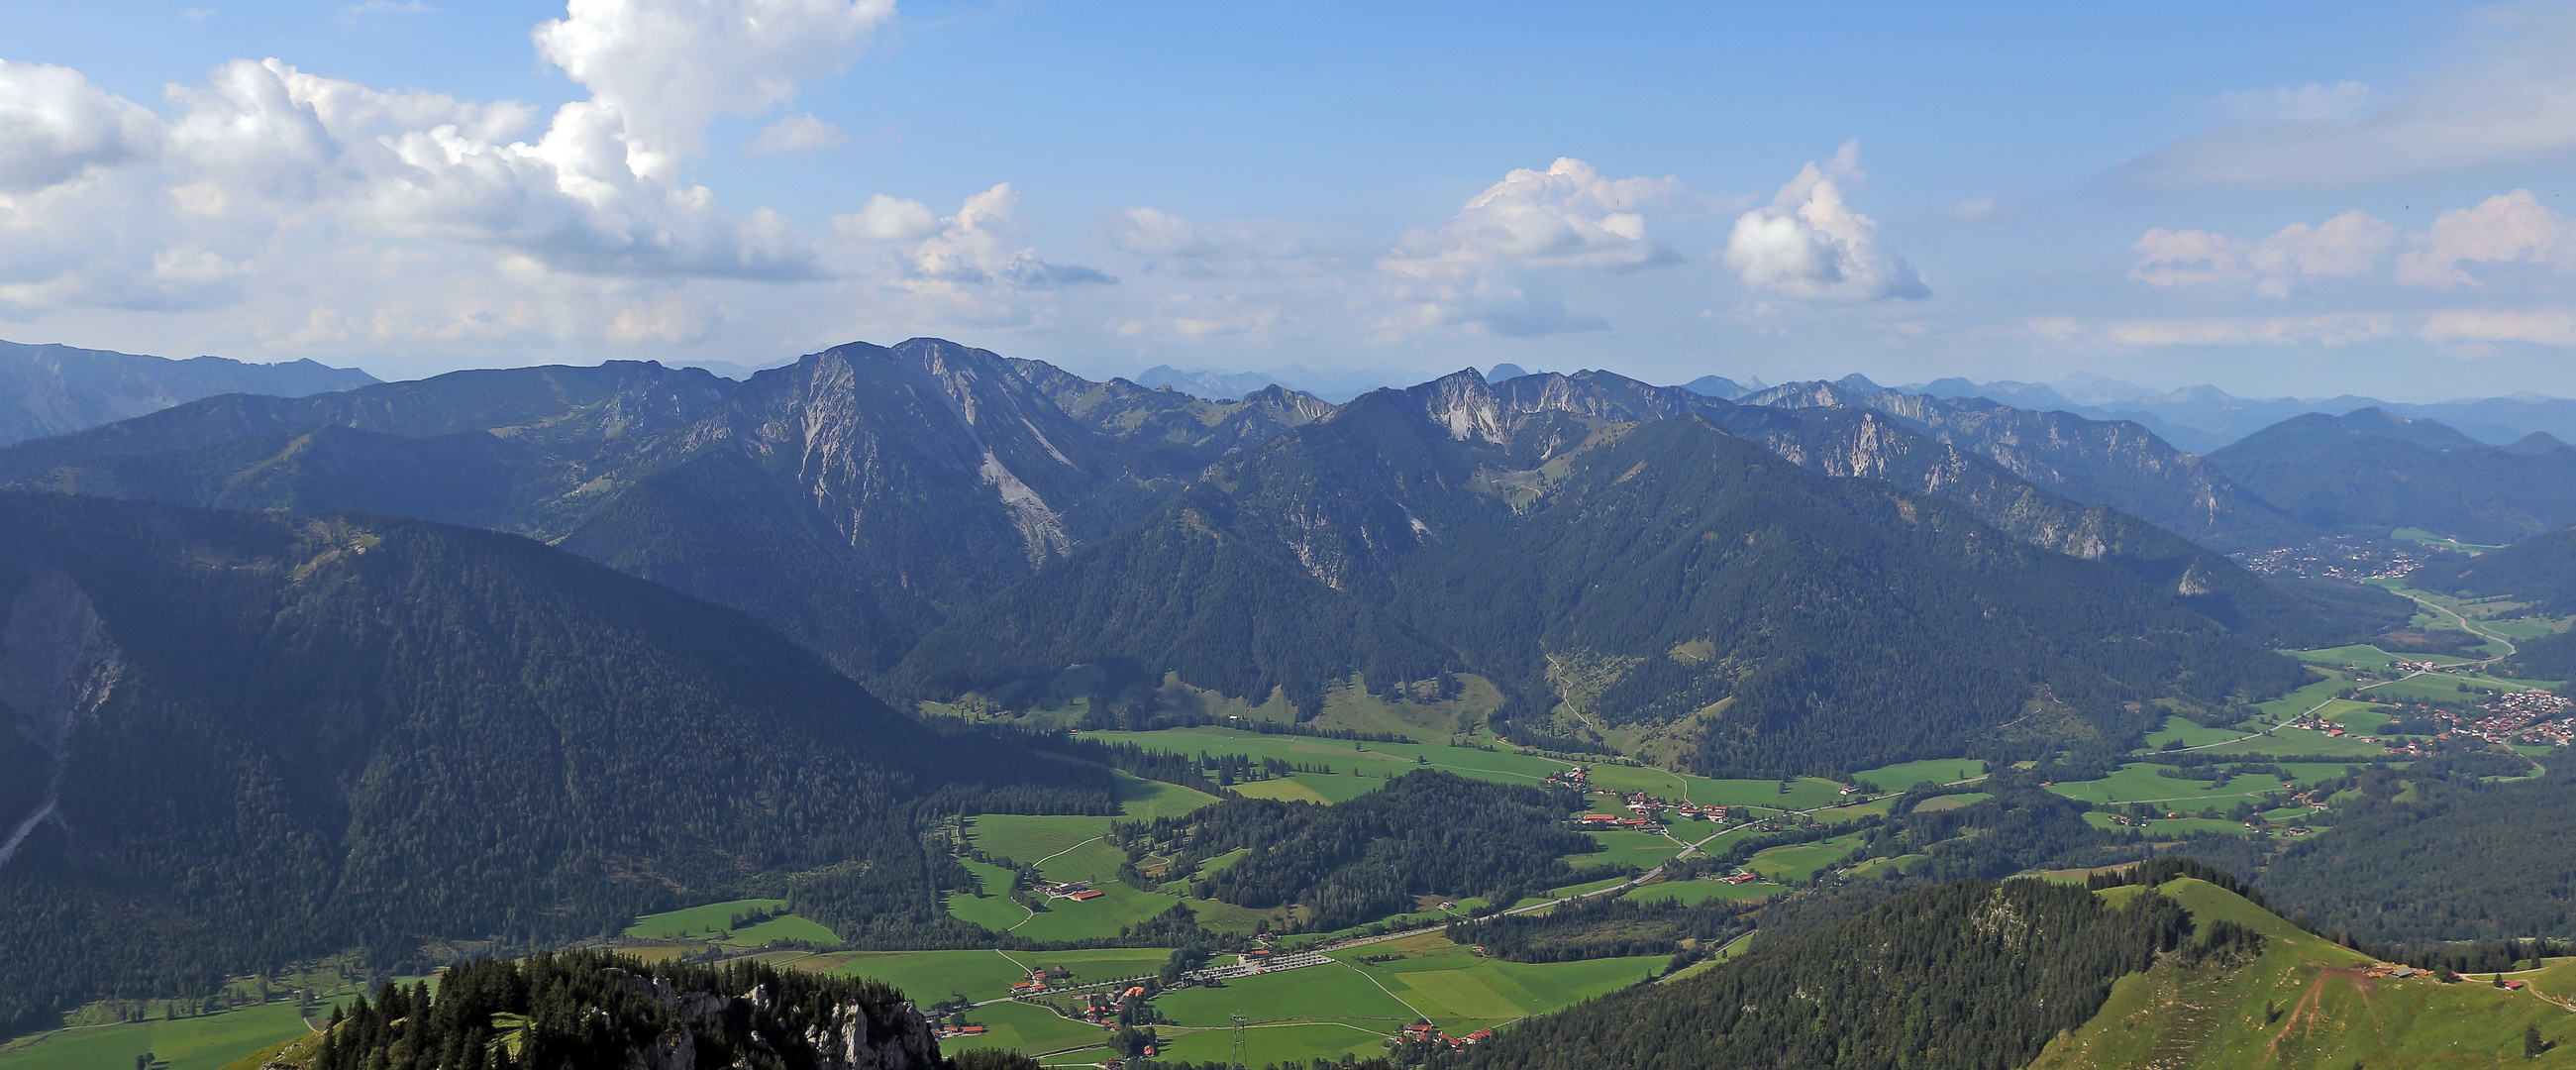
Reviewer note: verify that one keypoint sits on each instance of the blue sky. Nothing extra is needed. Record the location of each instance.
(2307, 199)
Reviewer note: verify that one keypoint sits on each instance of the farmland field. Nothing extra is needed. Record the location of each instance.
(205, 1043)
(2138, 782)
(2300, 742)
(2177, 729)
(1798, 864)
(1904, 775)
(1701, 891)
(1031, 1029)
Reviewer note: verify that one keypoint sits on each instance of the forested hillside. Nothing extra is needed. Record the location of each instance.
(1425, 833)
(2108, 462)
(2370, 472)
(1774, 613)
(851, 500)
(1965, 975)
(246, 738)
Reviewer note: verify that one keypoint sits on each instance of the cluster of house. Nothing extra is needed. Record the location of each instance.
(1571, 778)
(1739, 875)
(2415, 666)
(1038, 979)
(1428, 1033)
(1616, 823)
(1103, 1011)
(1078, 891)
(2532, 715)
(952, 1032)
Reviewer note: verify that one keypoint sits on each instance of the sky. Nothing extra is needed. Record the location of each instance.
(2278, 199)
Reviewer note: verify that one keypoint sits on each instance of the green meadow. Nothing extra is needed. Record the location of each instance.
(205, 1043)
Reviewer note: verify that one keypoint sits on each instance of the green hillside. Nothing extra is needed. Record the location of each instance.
(2372, 473)
(2302, 1002)
(246, 739)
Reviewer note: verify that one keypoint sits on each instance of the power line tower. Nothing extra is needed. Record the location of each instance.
(1238, 1040)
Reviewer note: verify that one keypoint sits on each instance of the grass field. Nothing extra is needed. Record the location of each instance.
(1884, 867)
(1798, 864)
(1145, 800)
(1029, 840)
(2362, 717)
(1698, 891)
(2176, 826)
(2302, 1003)
(701, 922)
(2306, 697)
(1279, 1043)
(1939, 803)
(1099, 918)
(2288, 742)
(1032, 1029)
(1904, 775)
(2189, 734)
(1373, 763)
(2138, 782)
(2364, 656)
(1640, 849)
(1311, 787)
(186, 1044)
(990, 909)
(933, 976)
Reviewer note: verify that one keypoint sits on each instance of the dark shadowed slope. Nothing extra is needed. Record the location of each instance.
(2368, 472)
(279, 737)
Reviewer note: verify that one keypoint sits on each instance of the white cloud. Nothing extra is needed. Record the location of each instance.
(2346, 246)
(1974, 210)
(2509, 96)
(664, 68)
(2546, 326)
(294, 212)
(2507, 228)
(55, 125)
(886, 218)
(1476, 270)
(1567, 216)
(797, 133)
(1809, 244)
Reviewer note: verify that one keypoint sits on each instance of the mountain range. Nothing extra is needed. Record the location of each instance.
(941, 521)
(53, 389)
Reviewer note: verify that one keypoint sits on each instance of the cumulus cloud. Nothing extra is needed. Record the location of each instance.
(319, 213)
(2507, 228)
(2330, 330)
(55, 126)
(1478, 268)
(797, 133)
(886, 218)
(664, 68)
(1809, 243)
(2510, 97)
(2346, 246)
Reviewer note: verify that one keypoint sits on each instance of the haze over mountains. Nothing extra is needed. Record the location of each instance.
(529, 652)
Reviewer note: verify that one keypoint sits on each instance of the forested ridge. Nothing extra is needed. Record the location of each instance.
(1427, 832)
(1965, 975)
(591, 1010)
(1376, 541)
(290, 736)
